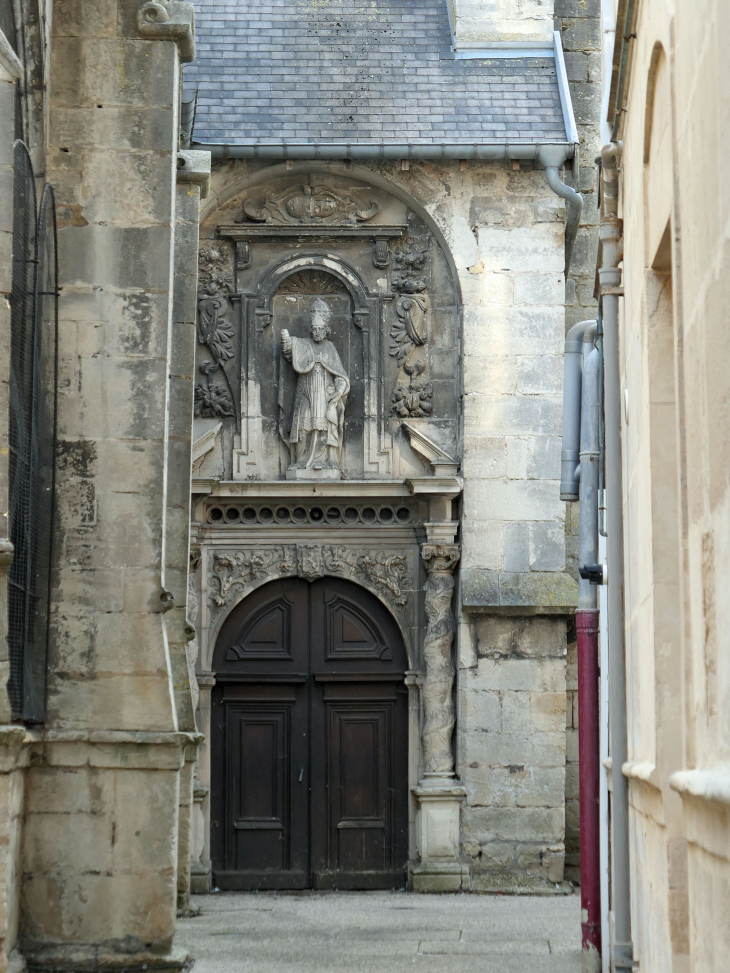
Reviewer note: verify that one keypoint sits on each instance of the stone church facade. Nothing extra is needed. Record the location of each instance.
(306, 551)
(441, 279)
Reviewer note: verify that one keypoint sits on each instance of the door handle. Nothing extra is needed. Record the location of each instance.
(301, 774)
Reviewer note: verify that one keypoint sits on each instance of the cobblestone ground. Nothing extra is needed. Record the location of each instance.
(382, 932)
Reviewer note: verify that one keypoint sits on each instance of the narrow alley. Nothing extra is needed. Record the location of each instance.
(382, 932)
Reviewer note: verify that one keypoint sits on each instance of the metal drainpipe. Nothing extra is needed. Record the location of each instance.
(587, 627)
(610, 281)
(552, 157)
(572, 369)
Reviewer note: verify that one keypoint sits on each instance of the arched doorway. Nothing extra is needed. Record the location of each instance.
(309, 741)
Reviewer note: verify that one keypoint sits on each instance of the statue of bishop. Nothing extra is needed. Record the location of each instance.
(318, 418)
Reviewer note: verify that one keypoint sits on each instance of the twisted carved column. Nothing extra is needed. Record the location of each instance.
(439, 716)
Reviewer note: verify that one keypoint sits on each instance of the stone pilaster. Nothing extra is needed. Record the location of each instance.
(439, 794)
(102, 806)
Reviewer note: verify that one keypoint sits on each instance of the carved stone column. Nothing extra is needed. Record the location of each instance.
(438, 701)
(439, 794)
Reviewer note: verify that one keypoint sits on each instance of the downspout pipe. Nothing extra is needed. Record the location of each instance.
(609, 275)
(553, 157)
(572, 370)
(587, 629)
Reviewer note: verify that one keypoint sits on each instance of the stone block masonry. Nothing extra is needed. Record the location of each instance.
(103, 795)
(511, 751)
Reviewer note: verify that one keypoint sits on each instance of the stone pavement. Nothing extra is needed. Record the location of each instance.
(382, 932)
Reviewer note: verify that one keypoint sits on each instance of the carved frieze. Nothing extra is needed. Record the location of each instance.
(386, 573)
(311, 203)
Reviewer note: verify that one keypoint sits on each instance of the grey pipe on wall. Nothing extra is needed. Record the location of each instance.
(572, 370)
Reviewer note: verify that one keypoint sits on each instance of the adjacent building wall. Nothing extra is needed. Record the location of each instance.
(676, 448)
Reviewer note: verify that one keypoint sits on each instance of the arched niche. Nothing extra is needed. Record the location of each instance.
(355, 236)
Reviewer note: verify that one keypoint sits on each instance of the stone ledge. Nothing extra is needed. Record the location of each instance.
(706, 785)
(15, 743)
(504, 592)
(193, 166)
(88, 958)
(515, 883)
(434, 876)
(116, 749)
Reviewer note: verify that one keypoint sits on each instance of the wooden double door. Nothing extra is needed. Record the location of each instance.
(309, 741)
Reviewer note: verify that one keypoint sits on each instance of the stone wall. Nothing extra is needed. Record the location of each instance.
(676, 455)
(483, 21)
(100, 842)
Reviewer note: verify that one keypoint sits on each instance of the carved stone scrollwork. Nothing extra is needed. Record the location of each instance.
(439, 718)
(409, 330)
(388, 574)
(310, 204)
(415, 399)
(169, 20)
(215, 399)
(243, 255)
(381, 254)
(413, 393)
(409, 269)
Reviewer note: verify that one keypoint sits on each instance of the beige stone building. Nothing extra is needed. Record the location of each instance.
(666, 110)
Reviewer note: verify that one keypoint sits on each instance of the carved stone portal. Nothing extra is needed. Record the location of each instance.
(318, 416)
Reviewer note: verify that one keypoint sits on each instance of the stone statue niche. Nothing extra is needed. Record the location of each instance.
(319, 386)
(316, 432)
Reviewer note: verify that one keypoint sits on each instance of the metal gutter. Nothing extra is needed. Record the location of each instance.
(335, 151)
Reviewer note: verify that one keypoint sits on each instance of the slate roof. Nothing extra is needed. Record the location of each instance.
(358, 71)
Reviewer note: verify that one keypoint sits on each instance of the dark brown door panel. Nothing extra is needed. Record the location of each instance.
(309, 741)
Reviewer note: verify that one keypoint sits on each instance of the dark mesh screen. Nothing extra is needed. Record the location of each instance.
(33, 303)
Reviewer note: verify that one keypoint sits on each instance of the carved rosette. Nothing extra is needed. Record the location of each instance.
(386, 574)
(439, 716)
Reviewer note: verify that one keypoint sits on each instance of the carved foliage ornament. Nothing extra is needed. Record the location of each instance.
(409, 268)
(310, 204)
(388, 574)
(413, 394)
(414, 399)
(215, 331)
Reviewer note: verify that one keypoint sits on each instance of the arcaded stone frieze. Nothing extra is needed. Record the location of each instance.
(439, 715)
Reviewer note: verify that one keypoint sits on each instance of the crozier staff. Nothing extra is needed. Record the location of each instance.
(321, 394)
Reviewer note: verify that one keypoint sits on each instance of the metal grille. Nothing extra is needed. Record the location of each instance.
(33, 357)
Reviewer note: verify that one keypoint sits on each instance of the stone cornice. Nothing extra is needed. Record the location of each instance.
(169, 20)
